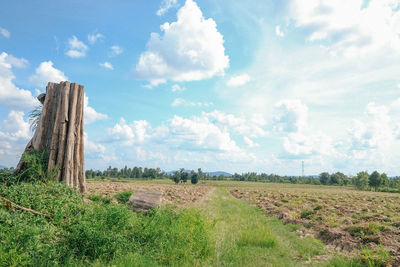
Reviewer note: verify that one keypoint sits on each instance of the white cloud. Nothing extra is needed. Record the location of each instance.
(349, 26)
(11, 95)
(190, 49)
(5, 33)
(249, 142)
(92, 147)
(292, 116)
(17, 62)
(130, 134)
(77, 48)
(238, 80)
(377, 132)
(91, 115)
(47, 73)
(278, 31)
(183, 102)
(166, 5)
(177, 88)
(92, 38)
(252, 127)
(116, 50)
(14, 135)
(107, 65)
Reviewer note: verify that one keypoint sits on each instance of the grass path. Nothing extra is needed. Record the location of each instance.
(246, 237)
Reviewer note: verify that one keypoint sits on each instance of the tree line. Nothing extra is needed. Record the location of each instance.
(363, 180)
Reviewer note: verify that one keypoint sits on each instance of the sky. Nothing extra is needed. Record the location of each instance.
(220, 85)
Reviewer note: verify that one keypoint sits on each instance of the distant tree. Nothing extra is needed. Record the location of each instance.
(176, 177)
(184, 175)
(361, 181)
(375, 180)
(194, 178)
(324, 178)
(337, 178)
(385, 179)
(200, 174)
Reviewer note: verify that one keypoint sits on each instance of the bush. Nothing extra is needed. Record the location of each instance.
(80, 234)
(123, 197)
(34, 167)
(101, 199)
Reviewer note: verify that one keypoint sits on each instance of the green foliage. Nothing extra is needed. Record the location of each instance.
(361, 181)
(375, 180)
(306, 214)
(123, 197)
(366, 230)
(378, 257)
(34, 116)
(100, 199)
(194, 178)
(8, 177)
(260, 237)
(80, 234)
(35, 167)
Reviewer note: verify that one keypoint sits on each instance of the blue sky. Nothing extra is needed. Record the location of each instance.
(222, 85)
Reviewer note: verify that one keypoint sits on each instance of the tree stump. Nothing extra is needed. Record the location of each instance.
(60, 133)
(145, 200)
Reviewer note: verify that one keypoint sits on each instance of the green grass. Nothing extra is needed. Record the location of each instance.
(245, 236)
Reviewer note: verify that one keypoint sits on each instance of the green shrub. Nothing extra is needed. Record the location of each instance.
(79, 234)
(98, 198)
(123, 197)
(34, 167)
(377, 257)
(306, 214)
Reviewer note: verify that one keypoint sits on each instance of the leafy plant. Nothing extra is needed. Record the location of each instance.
(34, 116)
(123, 197)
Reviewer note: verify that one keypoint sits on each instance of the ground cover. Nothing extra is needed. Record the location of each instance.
(345, 219)
(181, 195)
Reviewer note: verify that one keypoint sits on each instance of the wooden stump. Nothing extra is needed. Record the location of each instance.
(60, 133)
(145, 200)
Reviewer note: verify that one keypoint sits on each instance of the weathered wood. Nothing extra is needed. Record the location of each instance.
(145, 200)
(60, 133)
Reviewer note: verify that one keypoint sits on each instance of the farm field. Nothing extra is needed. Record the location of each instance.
(326, 224)
(343, 218)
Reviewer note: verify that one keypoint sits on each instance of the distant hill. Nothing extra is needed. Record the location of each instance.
(217, 173)
(2, 167)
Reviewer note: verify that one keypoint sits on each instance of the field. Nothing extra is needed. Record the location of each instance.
(347, 222)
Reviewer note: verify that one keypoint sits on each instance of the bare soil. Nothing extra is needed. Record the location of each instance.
(345, 219)
(181, 195)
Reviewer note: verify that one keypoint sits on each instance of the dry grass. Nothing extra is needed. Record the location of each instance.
(344, 218)
(181, 195)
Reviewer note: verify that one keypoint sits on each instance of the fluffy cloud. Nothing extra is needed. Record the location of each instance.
(183, 102)
(130, 134)
(292, 116)
(91, 115)
(377, 132)
(177, 88)
(190, 49)
(278, 31)
(92, 38)
(115, 50)
(5, 33)
(91, 147)
(107, 65)
(11, 95)
(47, 73)
(166, 5)
(77, 48)
(252, 127)
(238, 80)
(350, 26)
(249, 142)
(14, 134)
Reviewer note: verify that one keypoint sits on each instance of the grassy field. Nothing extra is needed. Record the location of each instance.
(208, 224)
(283, 224)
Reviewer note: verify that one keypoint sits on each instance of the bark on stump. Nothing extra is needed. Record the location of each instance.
(60, 133)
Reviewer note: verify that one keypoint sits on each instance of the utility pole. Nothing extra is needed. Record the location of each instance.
(302, 168)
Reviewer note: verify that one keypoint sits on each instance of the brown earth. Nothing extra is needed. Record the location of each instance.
(181, 195)
(345, 219)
